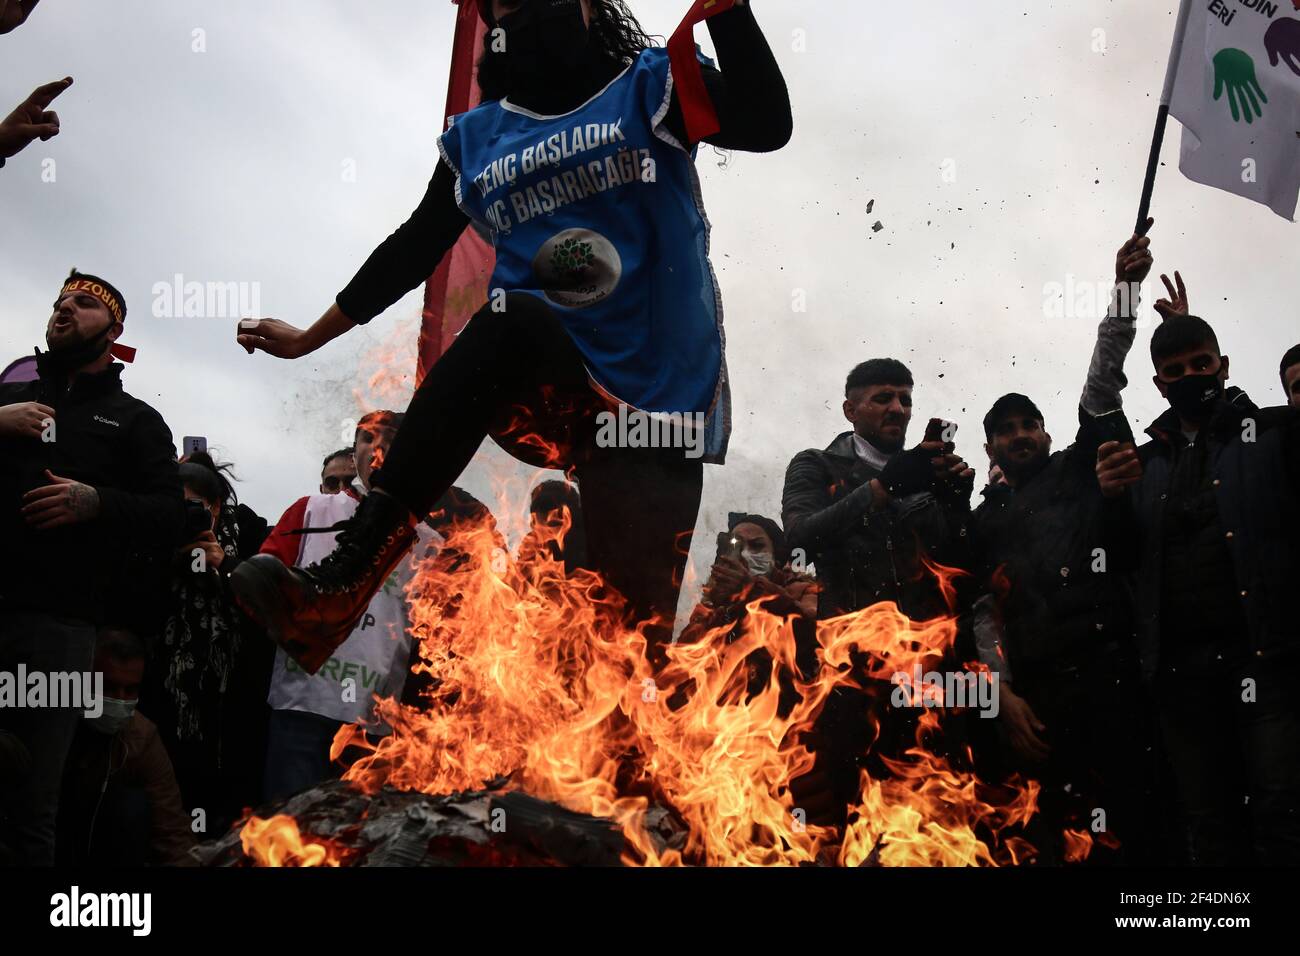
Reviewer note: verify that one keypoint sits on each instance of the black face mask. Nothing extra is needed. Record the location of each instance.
(1193, 397)
(546, 40)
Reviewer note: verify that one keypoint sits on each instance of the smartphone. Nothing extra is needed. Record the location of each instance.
(727, 545)
(198, 518)
(192, 443)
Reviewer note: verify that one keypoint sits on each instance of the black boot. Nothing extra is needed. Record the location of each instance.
(311, 611)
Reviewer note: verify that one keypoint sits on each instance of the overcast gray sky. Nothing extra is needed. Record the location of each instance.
(1003, 144)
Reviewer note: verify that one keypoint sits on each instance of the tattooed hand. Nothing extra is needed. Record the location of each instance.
(64, 502)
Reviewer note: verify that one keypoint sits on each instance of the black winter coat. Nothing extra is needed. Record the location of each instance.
(1058, 555)
(118, 445)
(1254, 461)
(863, 556)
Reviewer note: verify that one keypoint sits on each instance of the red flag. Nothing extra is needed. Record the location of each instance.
(697, 109)
(459, 286)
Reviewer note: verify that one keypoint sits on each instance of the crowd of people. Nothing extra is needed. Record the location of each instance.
(1132, 599)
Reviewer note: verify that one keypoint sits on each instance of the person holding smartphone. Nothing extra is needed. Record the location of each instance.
(874, 517)
(209, 667)
(753, 564)
(869, 512)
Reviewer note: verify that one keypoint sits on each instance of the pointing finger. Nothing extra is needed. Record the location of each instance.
(44, 95)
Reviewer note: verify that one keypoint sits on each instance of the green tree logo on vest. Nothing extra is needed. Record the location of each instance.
(577, 268)
(1234, 71)
(571, 258)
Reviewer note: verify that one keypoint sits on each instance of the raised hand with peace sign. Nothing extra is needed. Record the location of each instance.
(32, 119)
(1176, 304)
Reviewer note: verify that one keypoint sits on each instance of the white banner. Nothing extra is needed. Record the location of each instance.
(1237, 94)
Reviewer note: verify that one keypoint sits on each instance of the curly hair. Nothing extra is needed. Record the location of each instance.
(615, 35)
(615, 32)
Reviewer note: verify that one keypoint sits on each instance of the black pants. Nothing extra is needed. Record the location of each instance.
(517, 375)
(48, 644)
(1100, 774)
(1236, 760)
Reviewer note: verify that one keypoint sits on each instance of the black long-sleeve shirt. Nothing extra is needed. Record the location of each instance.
(753, 108)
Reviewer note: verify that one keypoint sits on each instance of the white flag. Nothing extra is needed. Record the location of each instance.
(1237, 94)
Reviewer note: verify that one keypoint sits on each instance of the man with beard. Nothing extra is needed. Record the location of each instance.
(1047, 549)
(1215, 495)
(867, 512)
(872, 516)
(88, 480)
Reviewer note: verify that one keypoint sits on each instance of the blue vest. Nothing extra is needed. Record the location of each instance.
(598, 213)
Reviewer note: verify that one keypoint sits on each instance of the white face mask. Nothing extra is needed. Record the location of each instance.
(758, 564)
(117, 714)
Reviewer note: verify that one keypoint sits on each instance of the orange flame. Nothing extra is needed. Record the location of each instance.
(538, 680)
(387, 386)
(277, 842)
(1078, 844)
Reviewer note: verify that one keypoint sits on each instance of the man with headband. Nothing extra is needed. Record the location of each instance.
(88, 483)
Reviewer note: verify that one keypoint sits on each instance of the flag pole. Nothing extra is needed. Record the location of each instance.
(1162, 116)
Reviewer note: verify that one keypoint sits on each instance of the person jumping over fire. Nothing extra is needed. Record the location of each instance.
(578, 168)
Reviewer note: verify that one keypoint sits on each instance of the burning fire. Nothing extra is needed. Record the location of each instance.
(538, 681)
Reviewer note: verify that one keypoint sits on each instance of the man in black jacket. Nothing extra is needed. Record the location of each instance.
(1218, 510)
(87, 479)
(871, 515)
(868, 513)
(1051, 549)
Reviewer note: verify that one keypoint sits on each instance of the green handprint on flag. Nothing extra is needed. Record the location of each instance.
(1234, 71)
